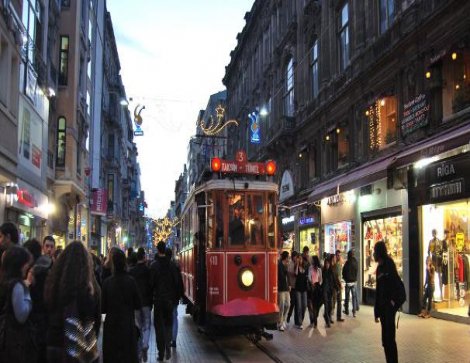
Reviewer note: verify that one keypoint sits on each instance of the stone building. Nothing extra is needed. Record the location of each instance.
(368, 118)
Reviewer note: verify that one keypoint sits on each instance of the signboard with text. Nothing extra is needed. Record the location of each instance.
(415, 114)
(99, 202)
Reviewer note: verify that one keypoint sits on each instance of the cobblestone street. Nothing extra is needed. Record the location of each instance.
(354, 340)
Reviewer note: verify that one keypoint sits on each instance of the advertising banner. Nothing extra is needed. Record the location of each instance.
(99, 202)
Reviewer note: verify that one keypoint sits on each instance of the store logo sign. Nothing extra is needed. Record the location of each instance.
(306, 220)
(445, 170)
(335, 199)
(288, 220)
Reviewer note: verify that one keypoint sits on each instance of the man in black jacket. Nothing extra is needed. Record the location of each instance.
(385, 307)
(167, 287)
(283, 290)
(141, 273)
(350, 277)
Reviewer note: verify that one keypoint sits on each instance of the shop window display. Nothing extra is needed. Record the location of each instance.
(445, 231)
(309, 238)
(389, 230)
(338, 237)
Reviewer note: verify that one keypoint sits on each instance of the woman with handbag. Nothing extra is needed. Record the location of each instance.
(120, 299)
(72, 297)
(16, 330)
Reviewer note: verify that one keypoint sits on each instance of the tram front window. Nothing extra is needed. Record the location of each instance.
(236, 226)
(255, 222)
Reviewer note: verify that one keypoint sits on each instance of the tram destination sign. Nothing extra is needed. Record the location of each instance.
(241, 166)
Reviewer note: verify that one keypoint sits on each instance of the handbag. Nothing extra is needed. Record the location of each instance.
(80, 337)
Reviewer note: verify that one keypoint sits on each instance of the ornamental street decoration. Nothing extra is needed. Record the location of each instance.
(163, 229)
(138, 120)
(214, 127)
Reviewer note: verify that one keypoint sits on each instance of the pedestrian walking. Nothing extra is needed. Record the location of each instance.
(315, 281)
(120, 298)
(386, 307)
(72, 298)
(350, 270)
(292, 277)
(283, 289)
(328, 283)
(337, 270)
(8, 236)
(141, 273)
(41, 269)
(16, 329)
(301, 281)
(166, 294)
(174, 329)
(428, 289)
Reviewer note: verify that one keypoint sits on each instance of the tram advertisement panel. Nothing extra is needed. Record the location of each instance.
(215, 278)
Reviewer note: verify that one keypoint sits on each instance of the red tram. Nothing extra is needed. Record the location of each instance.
(228, 256)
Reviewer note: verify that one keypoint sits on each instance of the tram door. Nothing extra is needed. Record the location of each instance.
(200, 250)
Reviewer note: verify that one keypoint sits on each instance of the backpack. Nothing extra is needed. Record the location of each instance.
(398, 294)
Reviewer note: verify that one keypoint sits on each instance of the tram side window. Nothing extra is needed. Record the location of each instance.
(236, 227)
(255, 221)
(219, 221)
(272, 221)
(210, 220)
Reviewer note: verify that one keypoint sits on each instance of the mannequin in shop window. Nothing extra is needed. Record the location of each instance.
(445, 261)
(435, 251)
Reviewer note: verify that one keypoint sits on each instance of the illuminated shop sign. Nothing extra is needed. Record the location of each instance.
(306, 220)
(287, 220)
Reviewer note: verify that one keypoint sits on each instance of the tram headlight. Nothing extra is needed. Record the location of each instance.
(246, 278)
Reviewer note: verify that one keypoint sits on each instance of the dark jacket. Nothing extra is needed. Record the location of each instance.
(88, 310)
(350, 270)
(141, 275)
(387, 277)
(328, 283)
(165, 281)
(301, 280)
(19, 342)
(120, 299)
(282, 282)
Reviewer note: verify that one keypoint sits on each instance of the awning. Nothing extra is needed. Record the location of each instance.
(434, 145)
(363, 175)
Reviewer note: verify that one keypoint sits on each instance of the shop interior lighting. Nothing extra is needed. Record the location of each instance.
(300, 155)
(327, 137)
(367, 113)
(382, 102)
(457, 86)
(425, 162)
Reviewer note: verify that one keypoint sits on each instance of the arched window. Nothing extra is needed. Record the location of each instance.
(61, 141)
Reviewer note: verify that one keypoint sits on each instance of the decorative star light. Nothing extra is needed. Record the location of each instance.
(215, 127)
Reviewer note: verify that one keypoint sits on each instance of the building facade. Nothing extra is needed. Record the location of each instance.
(368, 118)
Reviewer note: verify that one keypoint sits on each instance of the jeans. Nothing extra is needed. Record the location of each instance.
(174, 331)
(350, 288)
(427, 298)
(301, 302)
(328, 302)
(163, 321)
(387, 320)
(284, 305)
(293, 307)
(145, 322)
(338, 304)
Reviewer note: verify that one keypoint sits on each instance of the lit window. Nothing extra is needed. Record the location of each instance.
(64, 60)
(382, 116)
(61, 141)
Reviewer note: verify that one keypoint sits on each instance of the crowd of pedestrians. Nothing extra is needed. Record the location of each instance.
(52, 301)
(304, 286)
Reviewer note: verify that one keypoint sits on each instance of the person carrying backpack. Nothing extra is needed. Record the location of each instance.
(390, 295)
